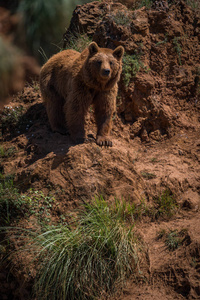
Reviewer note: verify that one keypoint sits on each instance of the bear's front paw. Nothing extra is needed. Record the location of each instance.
(103, 141)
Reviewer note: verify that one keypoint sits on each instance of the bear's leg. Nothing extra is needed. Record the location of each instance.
(54, 108)
(104, 104)
(75, 111)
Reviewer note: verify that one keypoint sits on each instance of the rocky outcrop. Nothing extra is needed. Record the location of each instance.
(161, 66)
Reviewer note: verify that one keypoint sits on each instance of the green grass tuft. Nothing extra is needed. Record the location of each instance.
(78, 42)
(88, 258)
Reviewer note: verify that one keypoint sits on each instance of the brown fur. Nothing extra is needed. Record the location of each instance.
(71, 81)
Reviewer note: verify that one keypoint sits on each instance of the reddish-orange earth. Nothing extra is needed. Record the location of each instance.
(156, 144)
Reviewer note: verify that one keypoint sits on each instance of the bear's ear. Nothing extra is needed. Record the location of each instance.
(93, 48)
(118, 52)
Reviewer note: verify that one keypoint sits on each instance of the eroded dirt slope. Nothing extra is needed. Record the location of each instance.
(156, 146)
(137, 171)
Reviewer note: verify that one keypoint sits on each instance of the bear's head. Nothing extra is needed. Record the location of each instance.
(104, 66)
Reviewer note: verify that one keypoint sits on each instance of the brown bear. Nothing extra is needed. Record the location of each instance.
(71, 81)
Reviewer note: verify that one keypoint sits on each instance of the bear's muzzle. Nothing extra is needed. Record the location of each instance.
(105, 72)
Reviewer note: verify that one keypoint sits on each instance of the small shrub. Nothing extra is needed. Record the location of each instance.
(166, 205)
(173, 238)
(177, 48)
(146, 3)
(10, 118)
(131, 66)
(14, 204)
(14, 120)
(122, 18)
(40, 204)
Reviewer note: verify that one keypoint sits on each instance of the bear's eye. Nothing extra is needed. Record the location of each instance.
(99, 62)
(111, 63)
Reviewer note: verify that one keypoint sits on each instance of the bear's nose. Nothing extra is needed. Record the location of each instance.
(106, 72)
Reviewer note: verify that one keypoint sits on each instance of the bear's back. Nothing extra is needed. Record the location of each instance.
(58, 71)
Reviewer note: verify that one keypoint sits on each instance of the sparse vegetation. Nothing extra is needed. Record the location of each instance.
(163, 42)
(35, 85)
(173, 238)
(122, 17)
(8, 152)
(194, 4)
(40, 205)
(14, 204)
(161, 234)
(146, 3)
(13, 120)
(78, 42)
(11, 202)
(154, 160)
(166, 204)
(131, 65)
(148, 175)
(87, 258)
(131, 211)
(10, 118)
(178, 49)
(194, 262)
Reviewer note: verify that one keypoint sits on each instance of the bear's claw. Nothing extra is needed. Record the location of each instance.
(103, 141)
